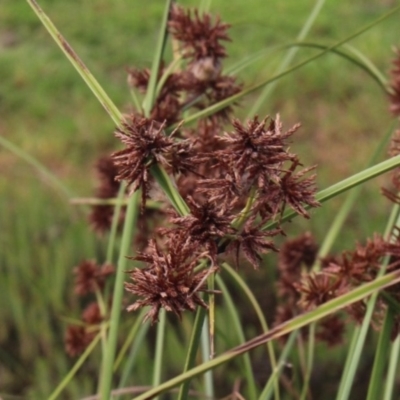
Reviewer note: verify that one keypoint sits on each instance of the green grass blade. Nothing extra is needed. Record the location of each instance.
(129, 227)
(39, 167)
(130, 338)
(192, 350)
(288, 59)
(392, 371)
(381, 355)
(158, 55)
(237, 326)
(267, 392)
(281, 330)
(205, 352)
(229, 101)
(83, 71)
(159, 351)
(140, 337)
(256, 306)
(357, 58)
(114, 223)
(57, 391)
(354, 355)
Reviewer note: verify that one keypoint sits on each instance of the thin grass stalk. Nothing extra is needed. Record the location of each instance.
(381, 355)
(322, 311)
(211, 313)
(353, 357)
(327, 244)
(140, 337)
(357, 58)
(192, 350)
(205, 352)
(130, 338)
(159, 351)
(392, 370)
(39, 167)
(230, 100)
(108, 360)
(83, 71)
(236, 324)
(310, 362)
(256, 306)
(158, 54)
(114, 224)
(67, 378)
(288, 58)
(268, 389)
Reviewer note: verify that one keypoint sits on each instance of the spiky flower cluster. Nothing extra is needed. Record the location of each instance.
(235, 183)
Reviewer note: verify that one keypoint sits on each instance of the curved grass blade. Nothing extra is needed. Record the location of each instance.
(50, 177)
(230, 100)
(281, 330)
(357, 58)
(162, 39)
(57, 391)
(288, 58)
(83, 71)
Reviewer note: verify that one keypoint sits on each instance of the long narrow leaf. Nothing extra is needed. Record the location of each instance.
(230, 100)
(281, 330)
(158, 54)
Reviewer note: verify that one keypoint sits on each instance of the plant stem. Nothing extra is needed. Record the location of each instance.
(108, 361)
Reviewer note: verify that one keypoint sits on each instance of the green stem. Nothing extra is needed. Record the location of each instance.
(158, 359)
(392, 371)
(57, 391)
(158, 54)
(236, 324)
(256, 306)
(310, 359)
(205, 352)
(267, 392)
(130, 338)
(130, 222)
(381, 355)
(44, 171)
(288, 59)
(192, 350)
(115, 222)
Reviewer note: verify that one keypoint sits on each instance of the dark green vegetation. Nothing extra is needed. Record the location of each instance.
(48, 112)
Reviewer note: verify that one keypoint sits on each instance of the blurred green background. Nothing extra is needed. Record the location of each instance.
(48, 112)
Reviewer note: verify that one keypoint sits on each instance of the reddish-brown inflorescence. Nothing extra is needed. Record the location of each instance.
(168, 280)
(90, 277)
